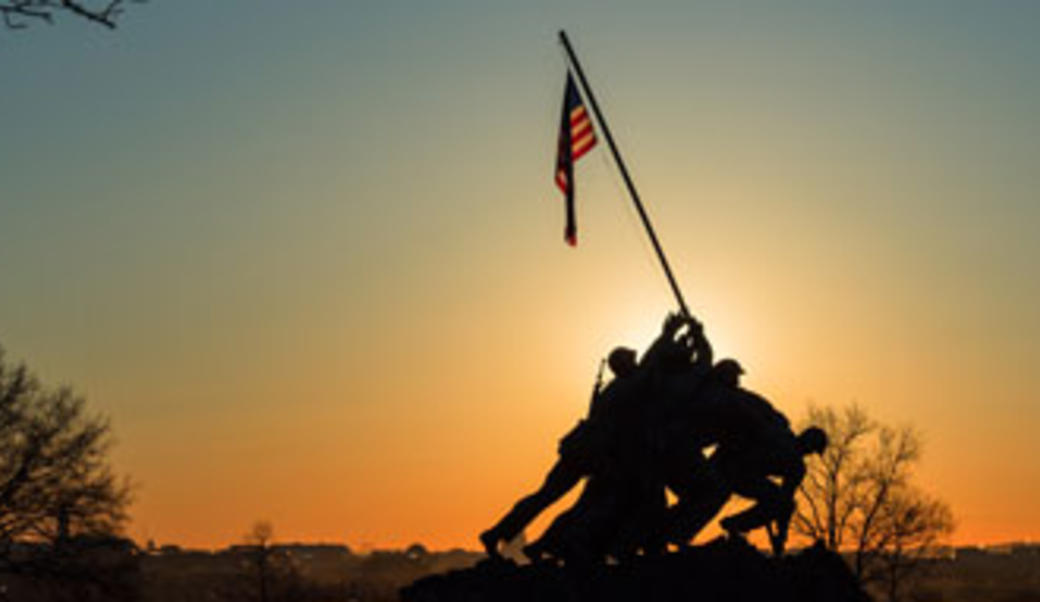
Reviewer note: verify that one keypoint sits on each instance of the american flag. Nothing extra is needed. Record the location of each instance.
(576, 138)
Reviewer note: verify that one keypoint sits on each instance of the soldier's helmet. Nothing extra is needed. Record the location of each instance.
(813, 440)
(727, 371)
(622, 361)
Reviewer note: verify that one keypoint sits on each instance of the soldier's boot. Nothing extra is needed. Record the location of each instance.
(490, 539)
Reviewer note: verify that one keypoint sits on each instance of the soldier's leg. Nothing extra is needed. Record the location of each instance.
(570, 533)
(702, 493)
(551, 541)
(770, 504)
(639, 527)
(561, 478)
(783, 523)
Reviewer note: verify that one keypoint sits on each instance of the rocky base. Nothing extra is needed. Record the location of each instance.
(722, 570)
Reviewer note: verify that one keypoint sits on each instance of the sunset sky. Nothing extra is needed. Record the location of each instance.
(309, 257)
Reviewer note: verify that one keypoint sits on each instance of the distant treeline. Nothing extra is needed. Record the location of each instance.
(116, 570)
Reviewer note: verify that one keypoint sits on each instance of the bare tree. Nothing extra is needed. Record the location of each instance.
(271, 573)
(914, 524)
(833, 480)
(18, 13)
(259, 540)
(56, 483)
(858, 498)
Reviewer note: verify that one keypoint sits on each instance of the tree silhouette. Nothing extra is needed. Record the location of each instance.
(259, 541)
(56, 484)
(18, 13)
(858, 498)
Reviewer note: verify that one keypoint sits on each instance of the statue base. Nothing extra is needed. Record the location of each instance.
(721, 570)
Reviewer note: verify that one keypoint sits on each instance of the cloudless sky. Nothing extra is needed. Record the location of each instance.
(309, 258)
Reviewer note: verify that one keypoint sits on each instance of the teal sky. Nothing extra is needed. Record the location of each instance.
(317, 248)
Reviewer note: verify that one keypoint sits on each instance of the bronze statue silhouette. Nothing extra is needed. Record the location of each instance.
(646, 432)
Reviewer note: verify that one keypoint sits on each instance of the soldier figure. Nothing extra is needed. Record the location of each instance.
(748, 470)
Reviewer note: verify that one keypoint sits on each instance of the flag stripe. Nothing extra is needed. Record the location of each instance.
(582, 147)
(577, 136)
(577, 131)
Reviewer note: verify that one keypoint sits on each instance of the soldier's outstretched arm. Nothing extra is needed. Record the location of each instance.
(705, 355)
(664, 341)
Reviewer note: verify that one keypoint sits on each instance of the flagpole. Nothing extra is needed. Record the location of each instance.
(624, 173)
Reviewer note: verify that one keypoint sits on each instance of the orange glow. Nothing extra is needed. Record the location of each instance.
(319, 279)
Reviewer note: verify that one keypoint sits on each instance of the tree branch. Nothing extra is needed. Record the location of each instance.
(17, 13)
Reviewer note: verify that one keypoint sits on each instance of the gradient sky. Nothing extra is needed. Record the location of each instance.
(309, 258)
